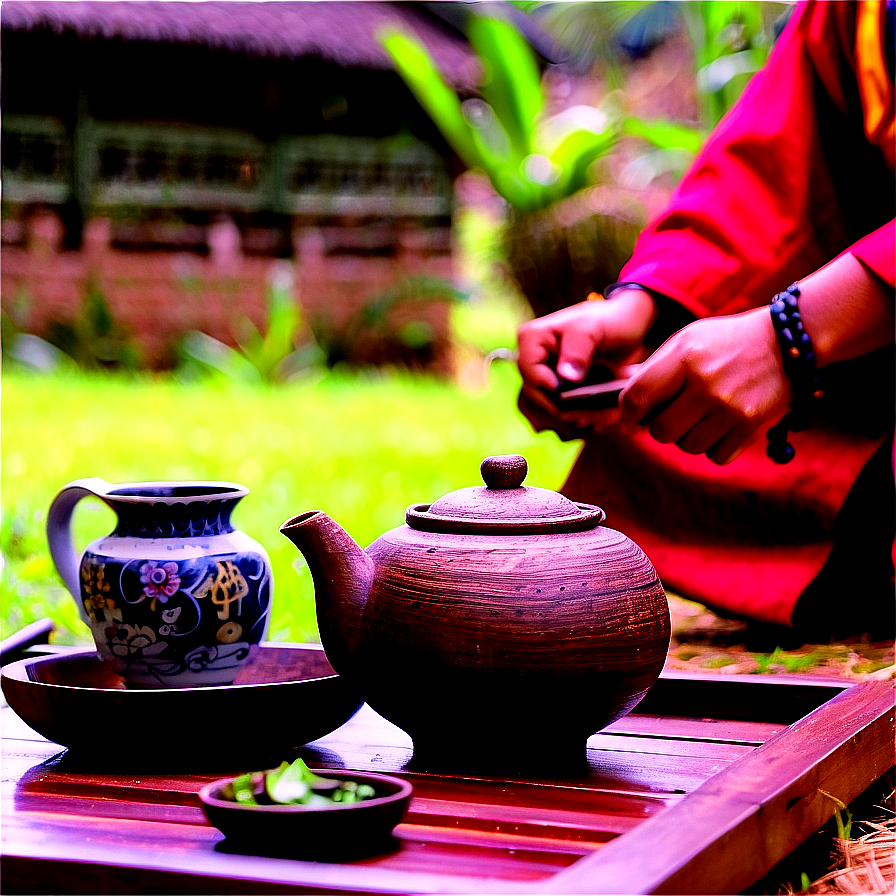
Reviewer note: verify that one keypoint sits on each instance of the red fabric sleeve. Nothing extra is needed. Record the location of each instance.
(877, 252)
(764, 203)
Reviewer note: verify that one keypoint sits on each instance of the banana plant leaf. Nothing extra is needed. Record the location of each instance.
(266, 351)
(665, 134)
(512, 85)
(441, 103)
(576, 153)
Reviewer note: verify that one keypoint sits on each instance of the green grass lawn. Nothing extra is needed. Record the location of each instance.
(360, 447)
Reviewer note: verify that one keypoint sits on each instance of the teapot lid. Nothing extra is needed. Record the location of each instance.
(504, 505)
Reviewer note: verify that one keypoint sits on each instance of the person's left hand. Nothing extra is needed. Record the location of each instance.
(711, 386)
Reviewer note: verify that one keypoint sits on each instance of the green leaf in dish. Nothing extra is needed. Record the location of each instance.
(294, 785)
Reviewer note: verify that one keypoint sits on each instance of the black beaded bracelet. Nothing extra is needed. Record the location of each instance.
(799, 365)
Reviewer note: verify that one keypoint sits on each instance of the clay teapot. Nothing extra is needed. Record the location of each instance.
(498, 621)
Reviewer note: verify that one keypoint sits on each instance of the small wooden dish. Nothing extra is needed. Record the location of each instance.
(336, 831)
(285, 696)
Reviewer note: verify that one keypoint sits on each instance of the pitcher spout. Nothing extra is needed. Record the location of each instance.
(342, 574)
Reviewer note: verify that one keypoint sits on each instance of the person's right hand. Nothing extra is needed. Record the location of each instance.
(561, 347)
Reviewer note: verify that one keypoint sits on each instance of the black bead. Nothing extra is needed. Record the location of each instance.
(781, 452)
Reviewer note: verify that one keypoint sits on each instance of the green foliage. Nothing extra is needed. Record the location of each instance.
(531, 161)
(842, 816)
(31, 588)
(865, 667)
(730, 39)
(93, 339)
(292, 784)
(665, 135)
(283, 352)
(718, 662)
(361, 447)
(373, 322)
(731, 42)
(23, 350)
(792, 662)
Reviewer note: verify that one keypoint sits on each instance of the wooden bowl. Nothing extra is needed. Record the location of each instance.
(283, 698)
(337, 831)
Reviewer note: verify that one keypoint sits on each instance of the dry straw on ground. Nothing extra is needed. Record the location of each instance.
(864, 865)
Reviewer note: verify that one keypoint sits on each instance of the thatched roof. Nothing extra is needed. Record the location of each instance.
(339, 31)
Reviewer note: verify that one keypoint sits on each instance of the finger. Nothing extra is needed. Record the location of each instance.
(630, 430)
(674, 421)
(626, 371)
(539, 418)
(707, 433)
(537, 347)
(655, 384)
(538, 396)
(731, 446)
(540, 375)
(541, 421)
(574, 354)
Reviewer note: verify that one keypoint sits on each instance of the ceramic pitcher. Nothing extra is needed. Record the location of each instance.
(174, 595)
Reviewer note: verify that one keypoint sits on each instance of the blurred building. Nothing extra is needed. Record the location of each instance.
(173, 155)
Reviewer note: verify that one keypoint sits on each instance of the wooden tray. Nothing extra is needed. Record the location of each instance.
(703, 789)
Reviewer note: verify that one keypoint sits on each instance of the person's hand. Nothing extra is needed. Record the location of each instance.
(711, 386)
(561, 347)
(540, 420)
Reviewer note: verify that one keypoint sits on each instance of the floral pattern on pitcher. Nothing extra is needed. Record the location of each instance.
(160, 580)
(166, 620)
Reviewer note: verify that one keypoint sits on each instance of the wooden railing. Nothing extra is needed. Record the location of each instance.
(108, 165)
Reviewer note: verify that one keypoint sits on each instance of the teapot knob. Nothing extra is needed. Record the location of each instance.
(504, 470)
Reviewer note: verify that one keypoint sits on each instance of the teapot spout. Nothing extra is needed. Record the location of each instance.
(342, 574)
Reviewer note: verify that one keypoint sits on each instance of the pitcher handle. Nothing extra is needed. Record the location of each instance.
(59, 532)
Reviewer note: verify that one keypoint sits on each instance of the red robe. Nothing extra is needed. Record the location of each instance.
(799, 171)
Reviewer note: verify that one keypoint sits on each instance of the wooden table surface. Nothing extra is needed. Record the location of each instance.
(701, 790)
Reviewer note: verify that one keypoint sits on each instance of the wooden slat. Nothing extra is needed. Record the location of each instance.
(515, 842)
(173, 847)
(657, 746)
(72, 875)
(708, 729)
(746, 819)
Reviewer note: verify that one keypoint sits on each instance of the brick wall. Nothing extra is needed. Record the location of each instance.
(160, 295)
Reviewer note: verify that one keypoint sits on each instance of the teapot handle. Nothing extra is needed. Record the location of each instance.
(59, 532)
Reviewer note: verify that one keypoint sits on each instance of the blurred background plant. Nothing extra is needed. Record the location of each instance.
(93, 340)
(531, 159)
(286, 350)
(375, 332)
(729, 40)
(572, 221)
